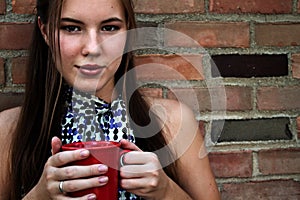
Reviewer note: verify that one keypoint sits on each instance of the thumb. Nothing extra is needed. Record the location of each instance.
(125, 144)
(56, 145)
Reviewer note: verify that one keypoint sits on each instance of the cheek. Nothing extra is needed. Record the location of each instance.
(68, 49)
(116, 51)
(67, 53)
(115, 47)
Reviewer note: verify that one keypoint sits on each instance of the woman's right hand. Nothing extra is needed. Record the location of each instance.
(75, 178)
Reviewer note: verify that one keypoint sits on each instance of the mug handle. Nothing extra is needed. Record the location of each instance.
(122, 154)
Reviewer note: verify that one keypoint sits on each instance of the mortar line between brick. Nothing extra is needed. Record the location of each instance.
(293, 128)
(254, 98)
(252, 35)
(8, 6)
(164, 93)
(259, 18)
(255, 165)
(258, 178)
(253, 146)
(295, 7)
(8, 73)
(206, 6)
(223, 50)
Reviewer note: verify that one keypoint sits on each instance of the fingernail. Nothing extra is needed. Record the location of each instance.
(102, 168)
(84, 153)
(103, 179)
(92, 197)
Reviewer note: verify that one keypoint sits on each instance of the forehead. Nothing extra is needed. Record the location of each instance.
(92, 9)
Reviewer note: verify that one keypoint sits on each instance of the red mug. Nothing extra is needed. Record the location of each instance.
(101, 152)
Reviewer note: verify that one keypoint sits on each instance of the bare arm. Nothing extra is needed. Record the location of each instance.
(8, 121)
(143, 174)
(193, 168)
(54, 170)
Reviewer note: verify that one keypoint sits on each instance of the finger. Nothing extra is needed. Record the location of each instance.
(132, 171)
(125, 144)
(82, 184)
(138, 171)
(140, 158)
(56, 145)
(65, 157)
(75, 172)
(137, 184)
(89, 197)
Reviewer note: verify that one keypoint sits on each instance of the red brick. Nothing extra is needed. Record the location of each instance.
(169, 67)
(208, 34)
(273, 189)
(198, 99)
(15, 36)
(18, 70)
(235, 164)
(2, 7)
(277, 34)
(296, 65)
(239, 98)
(152, 92)
(274, 98)
(229, 98)
(253, 6)
(24, 6)
(298, 6)
(279, 161)
(2, 72)
(169, 6)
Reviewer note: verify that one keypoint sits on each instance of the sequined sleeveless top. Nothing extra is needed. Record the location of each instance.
(89, 118)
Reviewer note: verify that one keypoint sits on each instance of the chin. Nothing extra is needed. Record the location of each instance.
(87, 86)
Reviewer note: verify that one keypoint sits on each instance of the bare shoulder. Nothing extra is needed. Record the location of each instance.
(8, 121)
(10, 113)
(186, 141)
(173, 109)
(174, 114)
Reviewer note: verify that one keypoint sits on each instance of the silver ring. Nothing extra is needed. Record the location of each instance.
(121, 160)
(60, 187)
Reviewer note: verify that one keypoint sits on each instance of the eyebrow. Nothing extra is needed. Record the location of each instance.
(67, 19)
(113, 19)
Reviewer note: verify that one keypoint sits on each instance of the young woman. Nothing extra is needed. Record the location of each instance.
(77, 57)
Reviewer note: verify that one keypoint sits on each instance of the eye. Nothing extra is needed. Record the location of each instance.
(71, 29)
(110, 28)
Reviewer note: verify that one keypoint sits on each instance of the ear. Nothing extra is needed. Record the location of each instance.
(44, 30)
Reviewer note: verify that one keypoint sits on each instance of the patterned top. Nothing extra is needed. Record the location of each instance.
(89, 118)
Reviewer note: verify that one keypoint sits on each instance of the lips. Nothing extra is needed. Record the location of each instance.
(90, 69)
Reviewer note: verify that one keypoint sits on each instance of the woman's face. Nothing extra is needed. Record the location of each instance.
(92, 41)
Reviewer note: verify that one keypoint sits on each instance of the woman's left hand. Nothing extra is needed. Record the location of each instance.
(142, 173)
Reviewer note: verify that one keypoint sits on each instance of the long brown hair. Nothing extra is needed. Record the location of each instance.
(43, 105)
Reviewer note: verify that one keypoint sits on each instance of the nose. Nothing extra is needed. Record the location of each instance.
(91, 45)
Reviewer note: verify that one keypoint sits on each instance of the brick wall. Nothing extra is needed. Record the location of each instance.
(256, 47)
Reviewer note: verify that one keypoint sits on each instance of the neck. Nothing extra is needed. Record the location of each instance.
(107, 97)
